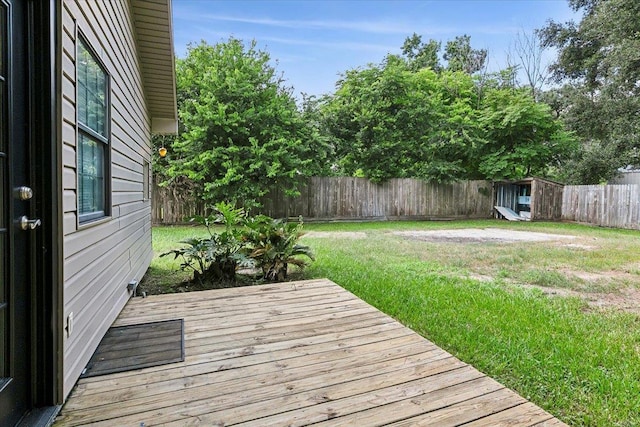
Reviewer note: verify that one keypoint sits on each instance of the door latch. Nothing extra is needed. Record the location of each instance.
(25, 223)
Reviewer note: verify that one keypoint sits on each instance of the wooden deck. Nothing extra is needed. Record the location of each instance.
(294, 354)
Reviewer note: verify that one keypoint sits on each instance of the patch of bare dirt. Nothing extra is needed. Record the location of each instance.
(624, 277)
(595, 277)
(627, 299)
(556, 292)
(613, 297)
(481, 277)
(580, 246)
(624, 300)
(336, 234)
(633, 269)
(481, 235)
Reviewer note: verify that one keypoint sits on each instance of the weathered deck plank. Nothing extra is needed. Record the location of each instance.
(293, 354)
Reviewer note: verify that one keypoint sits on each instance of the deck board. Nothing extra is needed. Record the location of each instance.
(293, 354)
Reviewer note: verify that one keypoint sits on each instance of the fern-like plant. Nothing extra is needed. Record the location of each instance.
(217, 257)
(273, 244)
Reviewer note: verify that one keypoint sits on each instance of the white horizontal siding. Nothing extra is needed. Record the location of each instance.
(100, 259)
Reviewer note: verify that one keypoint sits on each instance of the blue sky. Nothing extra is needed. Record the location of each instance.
(316, 40)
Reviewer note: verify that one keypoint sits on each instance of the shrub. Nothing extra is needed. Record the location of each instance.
(273, 244)
(217, 257)
(251, 242)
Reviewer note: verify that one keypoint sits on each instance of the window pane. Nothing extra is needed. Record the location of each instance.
(92, 91)
(92, 111)
(91, 181)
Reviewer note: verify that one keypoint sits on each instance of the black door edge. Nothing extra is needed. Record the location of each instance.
(45, 142)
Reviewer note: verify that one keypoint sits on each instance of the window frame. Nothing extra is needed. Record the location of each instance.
(104, 140)
(146, 180)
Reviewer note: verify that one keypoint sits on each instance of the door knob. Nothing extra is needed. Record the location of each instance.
(28, 224)
(23, 193)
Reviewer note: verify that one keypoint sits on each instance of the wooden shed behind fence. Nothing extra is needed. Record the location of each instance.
(531, 198)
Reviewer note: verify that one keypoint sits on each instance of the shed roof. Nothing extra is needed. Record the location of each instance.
(154, 36)
(529, 180)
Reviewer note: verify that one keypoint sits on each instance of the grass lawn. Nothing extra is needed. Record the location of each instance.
(527, 314)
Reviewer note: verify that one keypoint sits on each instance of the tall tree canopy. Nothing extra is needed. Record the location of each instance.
(460, 56)
(241, 132)
(599, 60)
(522, 136)
(391, 122)
(421, 55)
(397, 120)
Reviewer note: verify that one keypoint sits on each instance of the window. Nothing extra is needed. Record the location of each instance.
(93, 136)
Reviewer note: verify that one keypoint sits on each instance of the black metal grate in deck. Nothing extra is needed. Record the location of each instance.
(125, 348)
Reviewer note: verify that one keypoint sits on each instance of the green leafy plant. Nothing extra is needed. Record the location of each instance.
(273, 244)
(250, 242)
(217, 257)
(193, 256)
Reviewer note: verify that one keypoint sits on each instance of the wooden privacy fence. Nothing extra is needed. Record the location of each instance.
(604, 205)
(171, 206)
(346, 198)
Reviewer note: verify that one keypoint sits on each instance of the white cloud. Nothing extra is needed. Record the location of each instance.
(213, 36)
(377, 27)
(372, 27)
(371, 47)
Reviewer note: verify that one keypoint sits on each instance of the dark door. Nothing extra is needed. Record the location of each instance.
(17, 229)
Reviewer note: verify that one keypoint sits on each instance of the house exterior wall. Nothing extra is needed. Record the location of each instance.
(101, 257)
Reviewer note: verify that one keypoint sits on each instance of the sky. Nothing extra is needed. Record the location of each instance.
(312, 42)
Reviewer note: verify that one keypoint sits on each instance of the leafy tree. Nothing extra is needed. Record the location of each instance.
(602, 48)
(458, 53)
(455, 134)
(421, 55)
(522, 137)
(376, 101)
(590, 164)
(460, 56)
(599, 58)
(241, 132)
(321, 146)
(392, 122)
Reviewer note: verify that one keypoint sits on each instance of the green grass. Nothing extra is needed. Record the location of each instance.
(164, 275)
(582, 365)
